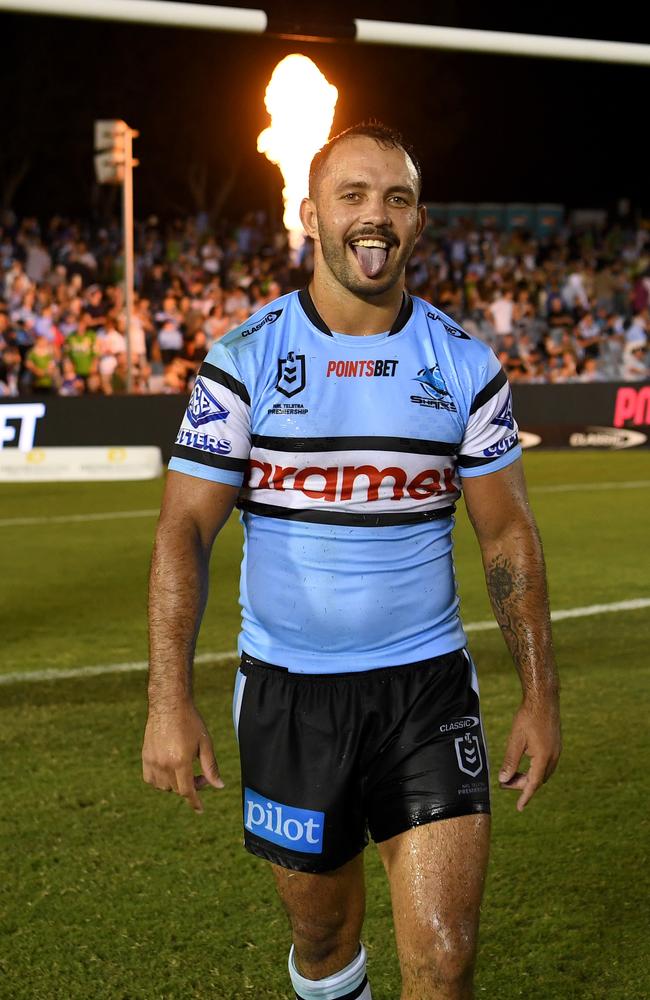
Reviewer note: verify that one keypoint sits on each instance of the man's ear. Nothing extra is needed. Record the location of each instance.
(309, 217)
(422, 220)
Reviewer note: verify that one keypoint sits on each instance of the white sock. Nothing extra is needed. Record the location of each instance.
(351, 983)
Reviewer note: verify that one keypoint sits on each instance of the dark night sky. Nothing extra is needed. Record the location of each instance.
(486, 127)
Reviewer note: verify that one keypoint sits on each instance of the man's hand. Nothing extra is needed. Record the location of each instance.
(536, 733)
(173, 739)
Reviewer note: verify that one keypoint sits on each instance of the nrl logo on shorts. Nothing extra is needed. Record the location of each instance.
(292, 376)
(468, 754)
(203, 406)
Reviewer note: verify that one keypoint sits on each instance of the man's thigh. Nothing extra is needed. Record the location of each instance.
(437, 874)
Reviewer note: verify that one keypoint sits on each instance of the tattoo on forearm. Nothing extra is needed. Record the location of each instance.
(520, 608)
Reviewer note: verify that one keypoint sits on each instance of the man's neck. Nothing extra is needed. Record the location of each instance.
(345, 312)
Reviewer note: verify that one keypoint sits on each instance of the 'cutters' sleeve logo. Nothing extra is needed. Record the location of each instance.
(287, 826)
(203, 406)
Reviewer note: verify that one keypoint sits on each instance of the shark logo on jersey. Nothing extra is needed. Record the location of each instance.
(504, 417)
(468, 754)
(453, 331)
(203, 407)
(292, 374)
(432, 382)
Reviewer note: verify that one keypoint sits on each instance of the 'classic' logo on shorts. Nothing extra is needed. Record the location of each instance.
(468, 753)
(287, 826)
(466, 722)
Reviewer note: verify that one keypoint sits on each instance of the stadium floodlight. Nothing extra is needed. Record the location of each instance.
(114, 164)
(111, 139)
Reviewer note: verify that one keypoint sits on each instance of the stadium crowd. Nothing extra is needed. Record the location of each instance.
(572, 307)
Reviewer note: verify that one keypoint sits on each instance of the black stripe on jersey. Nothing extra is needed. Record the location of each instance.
(307, 303)
(472, 461)
(488, 391)
(207, 458)
(412, 446)
(357, 520)
(353, 995)
(223, 378)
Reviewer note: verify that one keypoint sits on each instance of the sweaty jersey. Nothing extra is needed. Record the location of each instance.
(350, 452)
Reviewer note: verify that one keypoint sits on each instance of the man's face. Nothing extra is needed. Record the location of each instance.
(364, 216)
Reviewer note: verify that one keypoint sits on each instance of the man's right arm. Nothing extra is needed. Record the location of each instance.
(193, 511)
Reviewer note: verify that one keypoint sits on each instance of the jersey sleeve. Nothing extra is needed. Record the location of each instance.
(214, 438)
(491, 440)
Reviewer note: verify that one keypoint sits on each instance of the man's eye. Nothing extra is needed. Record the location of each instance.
(397, 199)
(351, 196)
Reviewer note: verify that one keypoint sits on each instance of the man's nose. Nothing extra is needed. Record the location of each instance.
(375, 212)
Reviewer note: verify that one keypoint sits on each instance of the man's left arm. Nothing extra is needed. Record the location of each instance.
(515, 573)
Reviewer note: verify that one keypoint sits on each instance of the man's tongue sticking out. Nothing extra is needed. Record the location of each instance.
(371, 259)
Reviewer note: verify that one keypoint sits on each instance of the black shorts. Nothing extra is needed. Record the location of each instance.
(327, 758)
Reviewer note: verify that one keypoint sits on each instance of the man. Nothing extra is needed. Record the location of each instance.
(341, 421)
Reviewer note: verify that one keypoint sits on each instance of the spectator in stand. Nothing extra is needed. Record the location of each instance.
(10, 365)
(41, 362)
(71, 384)
(564, 368)
(635, 367)
(501, 313)
(81, 350)
(217, 324)
(507, 351)
(637, 331)
(170, 342)
(110, 344)
(588, 336)
(589, 371)
(38, 262)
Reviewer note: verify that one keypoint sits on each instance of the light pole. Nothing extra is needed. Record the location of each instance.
(114, 164)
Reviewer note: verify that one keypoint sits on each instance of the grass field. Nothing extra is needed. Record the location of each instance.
(111, 890)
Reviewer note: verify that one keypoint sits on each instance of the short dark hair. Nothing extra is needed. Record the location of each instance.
(384, 136)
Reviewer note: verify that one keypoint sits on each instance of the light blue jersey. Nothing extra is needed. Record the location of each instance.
(350, 452)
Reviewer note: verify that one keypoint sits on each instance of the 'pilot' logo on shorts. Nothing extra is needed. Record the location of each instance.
(468, 752)
(287, 826)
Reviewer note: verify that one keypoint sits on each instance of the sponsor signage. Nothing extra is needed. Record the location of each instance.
(607, 437)
(632, 406)
(69, 465)
(18, 424)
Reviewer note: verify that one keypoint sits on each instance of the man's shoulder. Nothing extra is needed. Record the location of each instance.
(458, 342)
(259, 324)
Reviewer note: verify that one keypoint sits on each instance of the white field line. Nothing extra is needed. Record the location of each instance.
(634, 604)
(632, 484)
(27, 522)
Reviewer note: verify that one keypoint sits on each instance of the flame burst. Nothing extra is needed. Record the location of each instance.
(301, 104)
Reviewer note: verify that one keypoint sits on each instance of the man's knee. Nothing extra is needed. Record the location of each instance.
(447, 965)
(319, 936)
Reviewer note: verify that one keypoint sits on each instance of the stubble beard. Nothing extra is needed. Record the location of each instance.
(344, 270)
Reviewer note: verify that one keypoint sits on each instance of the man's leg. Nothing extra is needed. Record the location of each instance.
(326, 914)
(436, 874)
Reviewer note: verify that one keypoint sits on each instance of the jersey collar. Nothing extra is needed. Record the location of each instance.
(307, 303)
